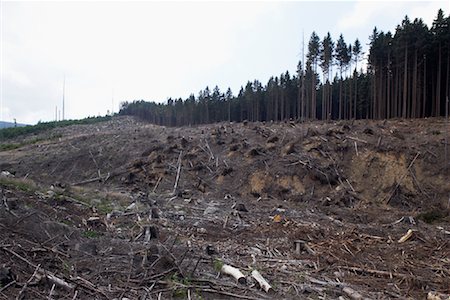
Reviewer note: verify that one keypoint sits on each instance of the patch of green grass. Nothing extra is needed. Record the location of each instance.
(181, 286)
(104, 207)
(218, 264)
(12, 146)
(91, 234)
(18, 184)
(7, 147)
(12, 132)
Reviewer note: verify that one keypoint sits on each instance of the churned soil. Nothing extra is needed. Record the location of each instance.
(129, 210)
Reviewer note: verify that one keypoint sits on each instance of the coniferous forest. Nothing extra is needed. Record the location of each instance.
(407, 76)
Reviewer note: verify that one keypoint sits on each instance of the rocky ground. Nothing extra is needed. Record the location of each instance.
(323, 210)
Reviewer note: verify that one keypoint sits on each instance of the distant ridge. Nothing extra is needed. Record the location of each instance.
(10, 124)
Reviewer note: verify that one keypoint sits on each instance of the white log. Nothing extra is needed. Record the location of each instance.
(262, 282)
(232, 271)
(59, 282)
(406, 236)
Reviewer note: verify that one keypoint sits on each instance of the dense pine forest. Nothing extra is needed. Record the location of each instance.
(407, 76)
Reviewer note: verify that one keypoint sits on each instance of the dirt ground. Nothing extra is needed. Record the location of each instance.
(129, 210)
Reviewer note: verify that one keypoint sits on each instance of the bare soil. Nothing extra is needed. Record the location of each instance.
(125, 209)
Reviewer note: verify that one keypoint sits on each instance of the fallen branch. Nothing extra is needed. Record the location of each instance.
(175, 186)
(234, 272)
(356, 139)
(406, 237)
(378, 272)
(22, 290)
(352, 293)
(50, 277)
(210, 152)
(262, 282)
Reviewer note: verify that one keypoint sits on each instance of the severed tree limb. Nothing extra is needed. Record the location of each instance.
(7, 286)
(352, 294)
(175, 186)
(378, 272)
(406, 236)
(234, 272)
(19, 296)
(262, 282)
(50, 277)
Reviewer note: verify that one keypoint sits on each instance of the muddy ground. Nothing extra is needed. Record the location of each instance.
(129, 210)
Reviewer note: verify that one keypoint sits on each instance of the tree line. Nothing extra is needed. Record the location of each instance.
(407, 76)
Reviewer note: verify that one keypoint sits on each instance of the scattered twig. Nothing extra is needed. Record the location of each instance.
(7, 286)
(352, 293)
(156, 185)
(377, 272)
(356, 139)
(19, 296)
(175, 186)
(261, 281)
(406, 237)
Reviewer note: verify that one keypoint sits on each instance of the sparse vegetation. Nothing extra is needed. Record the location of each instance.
(91, 234)
(12, 146)
(433, 215)
(19, 184)
(12, 132)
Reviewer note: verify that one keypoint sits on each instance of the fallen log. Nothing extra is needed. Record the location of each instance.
(234, 272)
(262, 282)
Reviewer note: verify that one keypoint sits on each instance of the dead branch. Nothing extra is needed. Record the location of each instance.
(261, 281)
(234, 272)
(406, 237)
(19, 296)
(352, 293)
(175, 186)
(209, 149)
(356, 139)
(52, 278)
(377, 272)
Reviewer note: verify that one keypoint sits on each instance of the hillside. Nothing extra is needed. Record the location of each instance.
(125, 209)
(4, 124)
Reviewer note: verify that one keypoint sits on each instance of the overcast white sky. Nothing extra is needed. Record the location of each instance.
(156, 50)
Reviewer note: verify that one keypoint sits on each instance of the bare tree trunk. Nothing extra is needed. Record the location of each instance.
(405, 83)
(340, 97)
(414, 88)
(438, 85)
